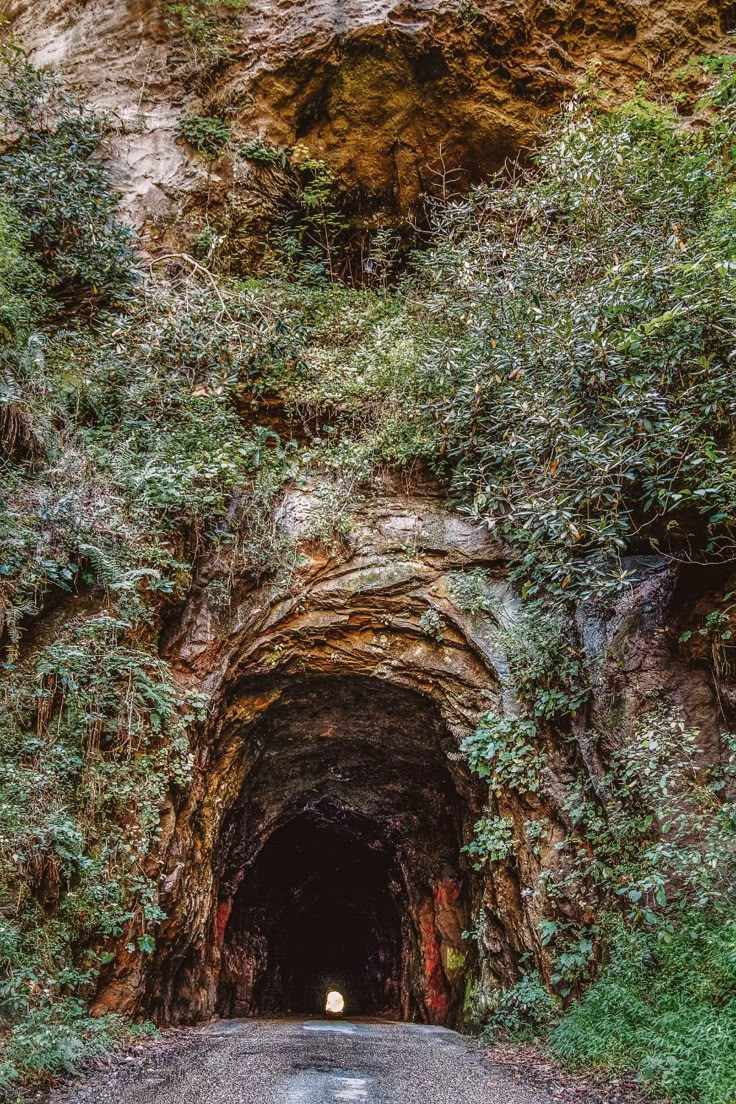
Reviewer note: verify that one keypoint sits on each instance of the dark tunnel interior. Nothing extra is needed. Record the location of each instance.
(341, 864)
(325, 912)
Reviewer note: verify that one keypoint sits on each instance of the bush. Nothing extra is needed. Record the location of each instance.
(23, 285)
(586, 386)
(526, 1011)
(494, 840)
(61, 195)
(206, 134)
(505, 750)
(665, 1006)
(56, 1037)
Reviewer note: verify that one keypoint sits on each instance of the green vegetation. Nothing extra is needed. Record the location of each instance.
(665, 1005)
(207, 134)
(469, 591)
(523, 1012)
(206, 30)
(505, 751)
(545, 666)
(59, 194)
(653, 856)
(124, 452)
(585, 387)
(493, 840)
(260, 153)
(432, 624)
(561, 355)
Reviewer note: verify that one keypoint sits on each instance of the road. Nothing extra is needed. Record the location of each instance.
(305, 1062)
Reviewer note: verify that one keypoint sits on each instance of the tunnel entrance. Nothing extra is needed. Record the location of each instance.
(321, 910)
(340, 860)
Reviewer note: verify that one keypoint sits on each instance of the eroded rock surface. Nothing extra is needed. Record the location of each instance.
(390, 94)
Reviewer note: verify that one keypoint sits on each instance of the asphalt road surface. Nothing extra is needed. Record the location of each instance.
(305, 1062)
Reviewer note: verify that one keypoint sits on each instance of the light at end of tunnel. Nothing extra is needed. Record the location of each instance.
(334, 1003)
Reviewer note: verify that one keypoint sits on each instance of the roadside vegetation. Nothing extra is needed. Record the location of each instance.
(560, 356)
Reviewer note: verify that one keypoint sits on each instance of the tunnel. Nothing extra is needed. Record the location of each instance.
(340, 863)
(324, 908)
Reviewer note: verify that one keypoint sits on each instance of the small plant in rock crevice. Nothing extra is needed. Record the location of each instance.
(717, 631)
(492, 841)
(506, 752)
(206, 134)
(206, 30)
(432, 624)
(546, 666)
(261, 153)
(469, 590)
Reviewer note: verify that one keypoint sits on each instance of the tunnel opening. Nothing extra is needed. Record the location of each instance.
(320, 909)
(340, 860)
(334, 1003)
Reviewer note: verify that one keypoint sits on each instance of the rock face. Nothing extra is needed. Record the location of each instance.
(398, 98)
(320, 844)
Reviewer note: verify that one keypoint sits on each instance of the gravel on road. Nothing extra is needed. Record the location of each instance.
(306, 1062)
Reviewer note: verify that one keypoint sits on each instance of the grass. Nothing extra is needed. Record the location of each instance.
(664, 1006)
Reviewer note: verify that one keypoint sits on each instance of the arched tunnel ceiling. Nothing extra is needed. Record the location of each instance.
(357, 614)
(375, 751)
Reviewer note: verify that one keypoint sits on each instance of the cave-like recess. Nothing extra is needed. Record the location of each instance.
(339, 864)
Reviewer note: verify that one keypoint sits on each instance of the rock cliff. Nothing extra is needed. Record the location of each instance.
(398, 99)
(330, 811)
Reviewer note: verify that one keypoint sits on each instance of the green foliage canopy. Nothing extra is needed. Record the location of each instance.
(587, 393)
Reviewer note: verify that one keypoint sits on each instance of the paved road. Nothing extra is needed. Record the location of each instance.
(306, 1062)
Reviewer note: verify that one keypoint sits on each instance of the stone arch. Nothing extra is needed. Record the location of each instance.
(346, 632)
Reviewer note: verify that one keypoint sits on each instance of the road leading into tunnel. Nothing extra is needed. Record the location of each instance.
(306, 1062)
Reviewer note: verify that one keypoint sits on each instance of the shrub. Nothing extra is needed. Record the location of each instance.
(61, 195)
(664, 1005)
(525, 1011)
(23, 301)
(494, 840)
(586, 394)
(57, 1037)
(505, 750)
(545, 665)
(206, 134)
